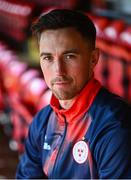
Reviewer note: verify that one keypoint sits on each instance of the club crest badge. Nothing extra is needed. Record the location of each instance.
(80, 152)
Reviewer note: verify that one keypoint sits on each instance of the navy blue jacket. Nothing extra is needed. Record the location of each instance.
(49, 153)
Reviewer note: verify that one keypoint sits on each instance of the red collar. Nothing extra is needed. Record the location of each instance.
(81, 104)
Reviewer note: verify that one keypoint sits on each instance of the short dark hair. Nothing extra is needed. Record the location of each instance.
(63, 18)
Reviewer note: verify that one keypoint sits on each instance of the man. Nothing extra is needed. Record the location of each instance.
(85, 131)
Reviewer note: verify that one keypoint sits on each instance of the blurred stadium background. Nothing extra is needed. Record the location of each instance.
(22, 89)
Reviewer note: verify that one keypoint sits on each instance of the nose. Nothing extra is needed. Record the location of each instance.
(59, 67)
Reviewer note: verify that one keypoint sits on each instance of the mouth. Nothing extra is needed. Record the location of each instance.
(61, 81)
(57, 82)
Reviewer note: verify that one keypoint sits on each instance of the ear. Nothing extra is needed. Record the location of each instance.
(95, 57)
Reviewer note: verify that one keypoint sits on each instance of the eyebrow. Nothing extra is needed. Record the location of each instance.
(44, 54)
(71, 51)
(65, 52)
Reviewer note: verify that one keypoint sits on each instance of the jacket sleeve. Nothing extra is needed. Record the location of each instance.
(113, 151)
(114, 160)
(30, 166)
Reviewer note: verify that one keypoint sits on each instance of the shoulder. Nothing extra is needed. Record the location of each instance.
(105, 98)
(110, 131)
(110, 114)
(107, 104)
(42, 115)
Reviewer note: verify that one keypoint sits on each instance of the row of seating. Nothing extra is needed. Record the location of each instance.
(15, 18)
(113, 30)
(22, 93)
(114, 67)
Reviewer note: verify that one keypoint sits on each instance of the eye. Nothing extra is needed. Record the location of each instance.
(47, 58)
(69, 56)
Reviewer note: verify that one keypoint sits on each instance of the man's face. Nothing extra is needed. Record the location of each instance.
(66, 61)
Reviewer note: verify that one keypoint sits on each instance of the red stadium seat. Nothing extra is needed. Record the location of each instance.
(125, 37)
(113, 30)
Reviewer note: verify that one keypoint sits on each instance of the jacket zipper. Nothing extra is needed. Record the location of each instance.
(55, 164)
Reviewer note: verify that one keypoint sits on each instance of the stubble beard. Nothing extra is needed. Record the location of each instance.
(64, 94)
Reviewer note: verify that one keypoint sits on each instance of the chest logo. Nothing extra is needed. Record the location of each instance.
(46, 146)
(80, 152)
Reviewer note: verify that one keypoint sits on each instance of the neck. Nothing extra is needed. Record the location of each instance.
(66, 104)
